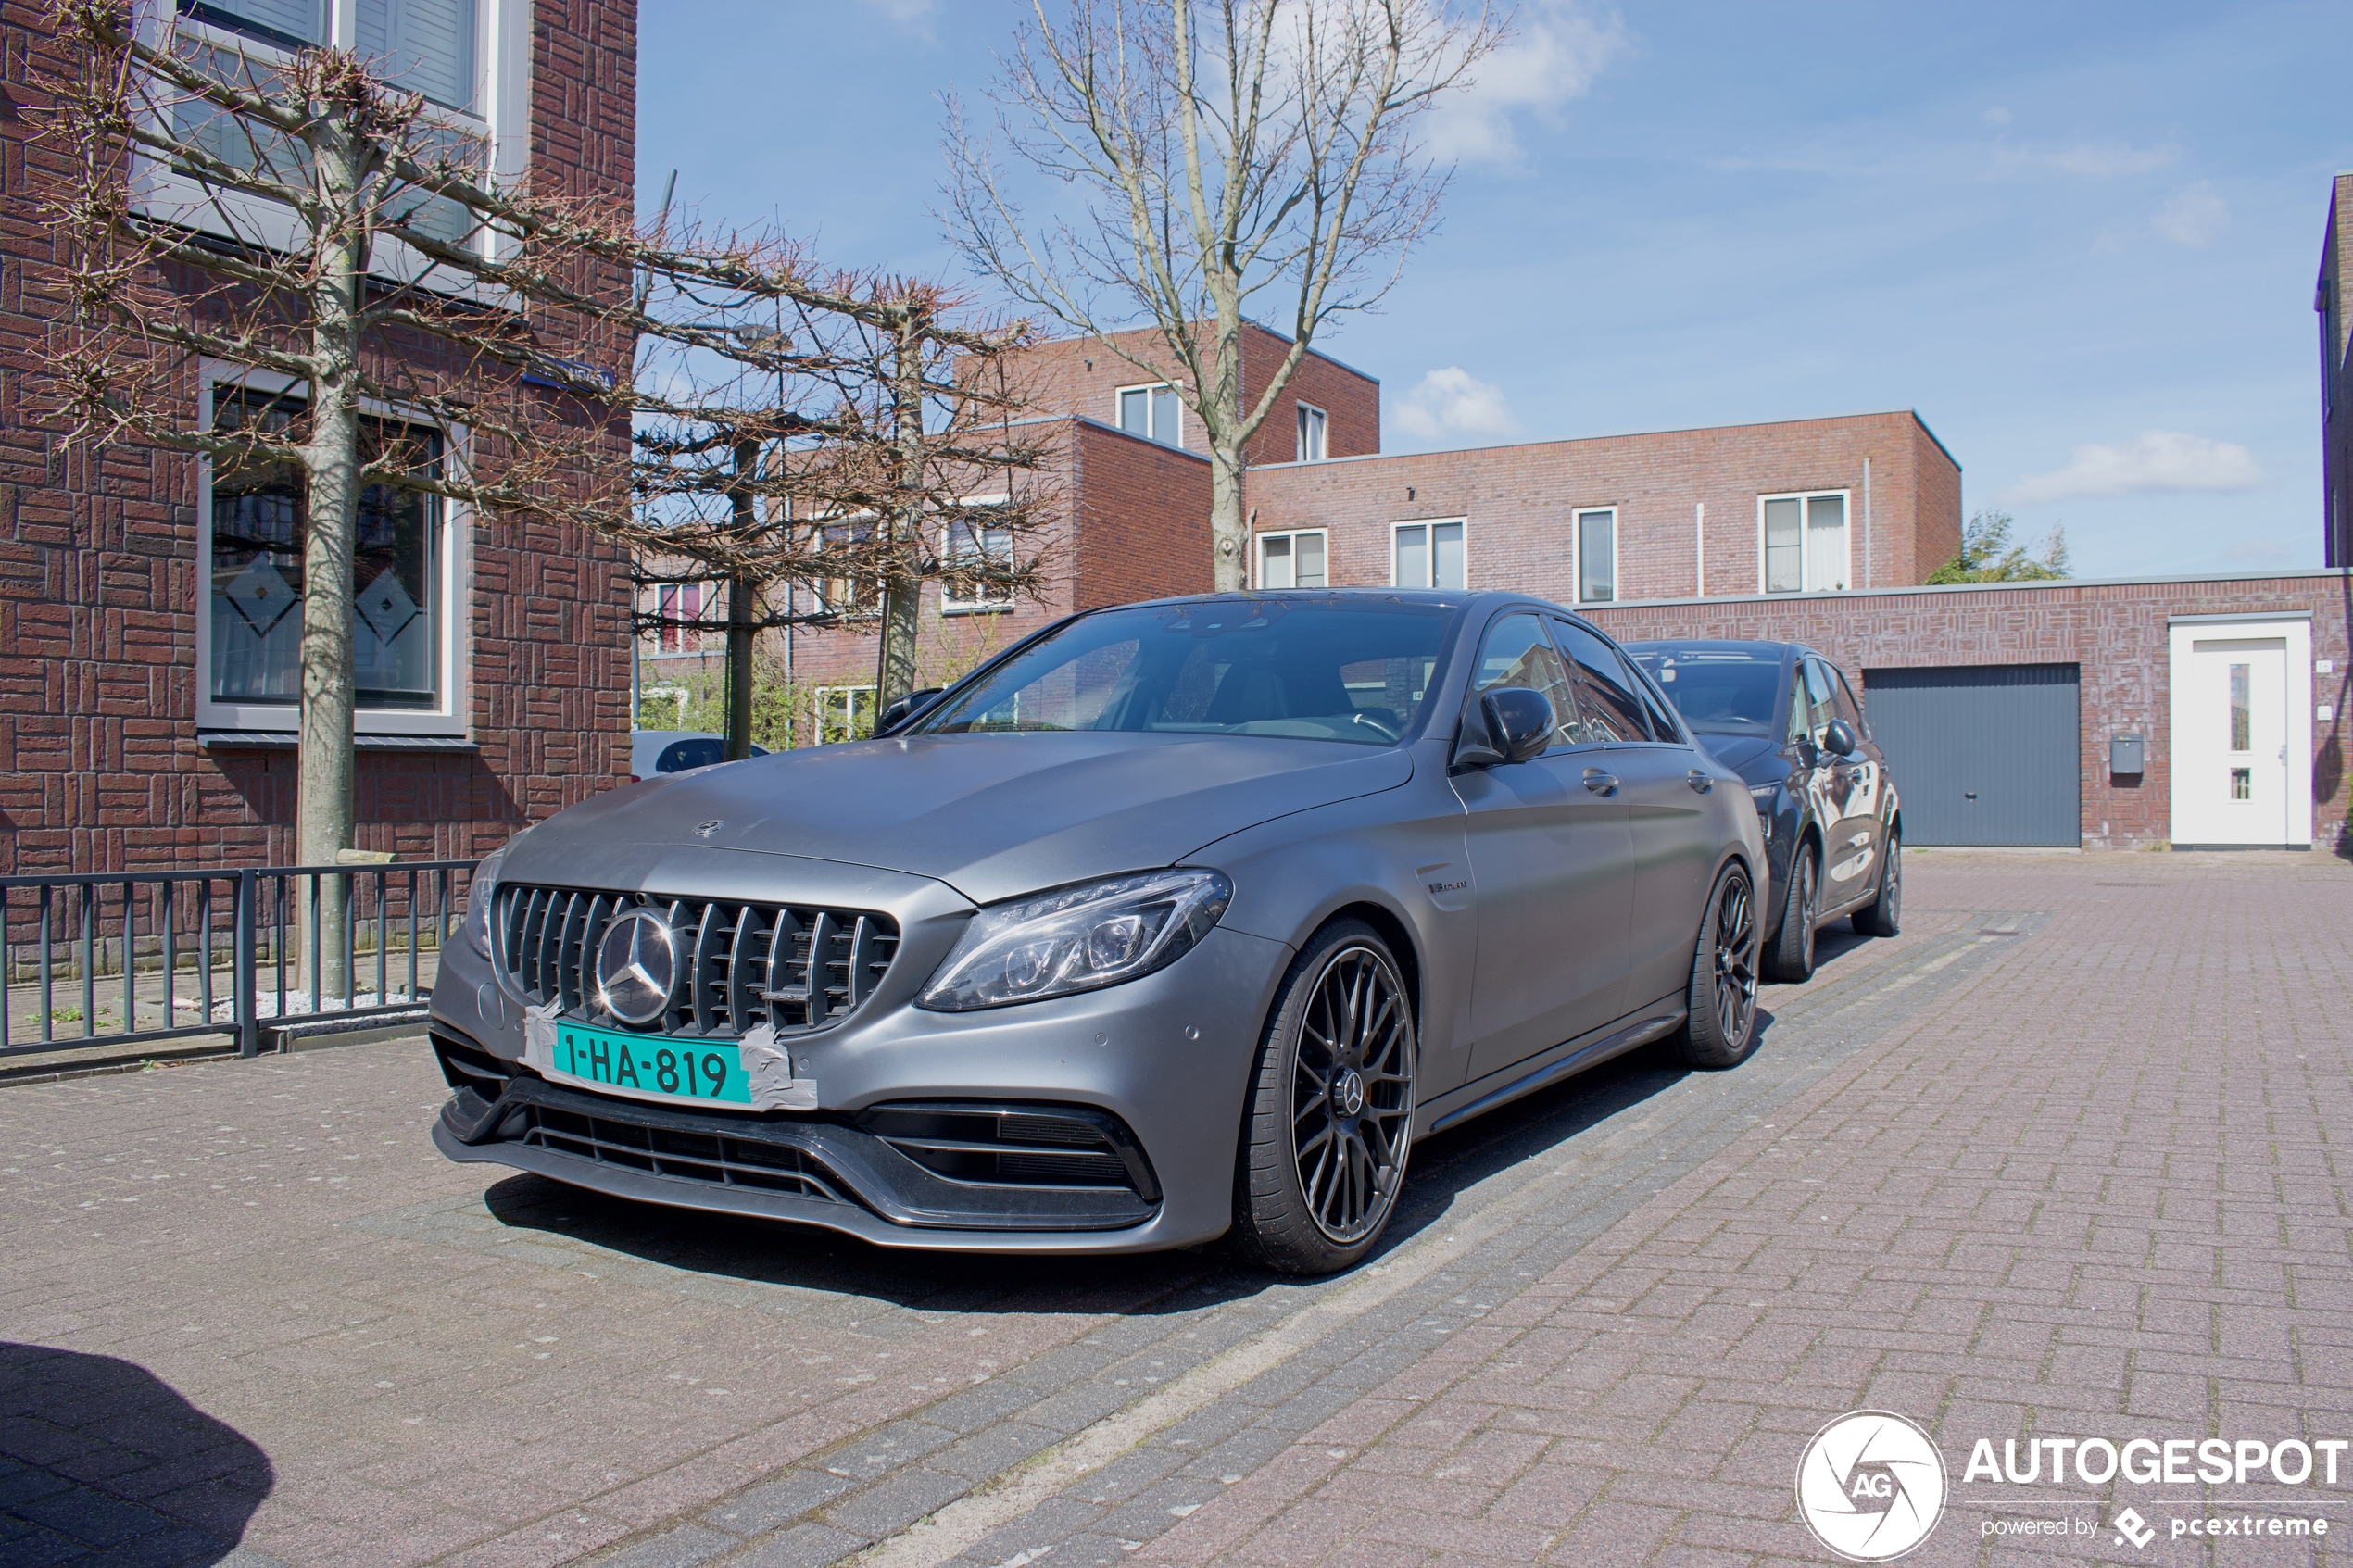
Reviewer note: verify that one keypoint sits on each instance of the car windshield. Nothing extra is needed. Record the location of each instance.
(1719, 691)
(1337, 669)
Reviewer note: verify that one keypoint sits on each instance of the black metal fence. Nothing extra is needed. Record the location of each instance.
(120, 958)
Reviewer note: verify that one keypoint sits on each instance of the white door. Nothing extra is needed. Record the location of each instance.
(2238, 774)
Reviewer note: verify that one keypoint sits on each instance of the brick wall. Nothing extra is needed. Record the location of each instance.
(1083, 376)
(99, 765)
(2116, 631)
(1518, 502)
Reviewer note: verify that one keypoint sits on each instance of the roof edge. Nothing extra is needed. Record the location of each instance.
(2320, 574)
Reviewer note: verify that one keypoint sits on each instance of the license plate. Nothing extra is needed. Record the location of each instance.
(655, 1066)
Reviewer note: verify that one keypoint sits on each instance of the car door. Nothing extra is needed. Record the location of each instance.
(1552, 868)
(1849, 868)
(1664, 789)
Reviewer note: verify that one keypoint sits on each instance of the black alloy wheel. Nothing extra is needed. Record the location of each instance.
(1720, 1027)
(1331, 1115)
(1792, 955)
(1885, 915)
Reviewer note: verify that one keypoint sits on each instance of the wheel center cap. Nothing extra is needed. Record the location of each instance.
(1348, 1093)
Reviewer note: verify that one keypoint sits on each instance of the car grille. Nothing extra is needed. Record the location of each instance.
(664, 1151)
(794, 968)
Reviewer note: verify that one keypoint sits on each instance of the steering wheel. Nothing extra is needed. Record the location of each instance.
(1359, 717)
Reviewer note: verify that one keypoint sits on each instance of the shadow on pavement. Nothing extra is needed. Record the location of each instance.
(102, 1457)
(1444, 1167)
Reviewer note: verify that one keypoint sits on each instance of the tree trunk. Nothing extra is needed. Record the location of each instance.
(739, 629)
(326, 764)
(1228, 524)
(903, 589)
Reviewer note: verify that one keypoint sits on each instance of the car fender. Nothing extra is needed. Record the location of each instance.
(1401, 852)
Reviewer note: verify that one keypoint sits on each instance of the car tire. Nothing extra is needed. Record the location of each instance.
(1883, 916)
(1791, 959)
(1719, 1027)
(1329, 1124)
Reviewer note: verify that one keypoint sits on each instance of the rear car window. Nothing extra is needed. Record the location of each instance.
(1719, 691)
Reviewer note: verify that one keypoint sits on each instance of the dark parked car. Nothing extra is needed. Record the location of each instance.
(1785, 718)
(1172, 919)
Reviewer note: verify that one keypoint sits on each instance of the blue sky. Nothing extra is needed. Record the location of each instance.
(2080, 239)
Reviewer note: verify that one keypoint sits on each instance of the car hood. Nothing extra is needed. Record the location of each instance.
(993, 816)
(1752, 757)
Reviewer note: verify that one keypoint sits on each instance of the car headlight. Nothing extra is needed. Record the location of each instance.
(480, 892)
(1078, 938)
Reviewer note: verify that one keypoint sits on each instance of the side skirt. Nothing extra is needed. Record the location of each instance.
(1564, 1061)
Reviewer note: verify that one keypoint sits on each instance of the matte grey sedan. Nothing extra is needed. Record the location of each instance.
(1173, 919)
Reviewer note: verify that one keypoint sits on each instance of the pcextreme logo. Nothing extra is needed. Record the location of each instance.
(1871, 1485)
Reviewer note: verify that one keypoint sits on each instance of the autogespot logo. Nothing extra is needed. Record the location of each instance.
(1871, 1485)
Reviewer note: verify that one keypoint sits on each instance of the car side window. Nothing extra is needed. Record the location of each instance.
(681, 755)
(1811, 708)
(1842, 699)
(1516, 653)
(1603, 684)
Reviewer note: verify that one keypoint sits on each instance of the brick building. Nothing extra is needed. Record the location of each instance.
(146, 717)
(2332, 301)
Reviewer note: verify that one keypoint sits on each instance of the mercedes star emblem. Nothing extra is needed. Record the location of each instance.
(704, 830)
(637, 967)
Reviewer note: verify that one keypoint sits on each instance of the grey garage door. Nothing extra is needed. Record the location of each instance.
(1983, 754)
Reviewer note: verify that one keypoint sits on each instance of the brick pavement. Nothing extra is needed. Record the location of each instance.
(2075, 1179)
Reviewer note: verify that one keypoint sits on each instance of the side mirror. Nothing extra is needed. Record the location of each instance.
(906, 708)
(1838, 738)
(1520, 719)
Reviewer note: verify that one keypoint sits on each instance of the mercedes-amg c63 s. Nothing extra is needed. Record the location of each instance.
(1172, 919)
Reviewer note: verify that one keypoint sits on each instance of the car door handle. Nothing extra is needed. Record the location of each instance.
(1601, 782)
(1699, 780)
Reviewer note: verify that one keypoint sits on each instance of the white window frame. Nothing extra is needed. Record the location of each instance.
(948, 603)
(1577, 517)
(1806, 540)
(1322, 430)
(502, 117)
(456, 573)
(1175, 409)
(707, 594)
(1430, 522)
(1258, 552)
(847, 698)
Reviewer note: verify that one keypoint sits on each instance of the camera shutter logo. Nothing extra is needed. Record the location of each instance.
(1871, 1485)
(637, 967)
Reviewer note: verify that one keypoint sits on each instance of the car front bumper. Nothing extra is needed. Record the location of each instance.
(1162, 1064)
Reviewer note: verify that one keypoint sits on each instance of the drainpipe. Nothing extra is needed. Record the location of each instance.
(1699, 550)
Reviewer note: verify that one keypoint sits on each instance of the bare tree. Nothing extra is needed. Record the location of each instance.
(1224, 149)
(412, 328)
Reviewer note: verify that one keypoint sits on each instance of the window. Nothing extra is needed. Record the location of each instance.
(1803, 539)
(1427, 555)
(971, 539)
(2242, 709)
(452, 52)
(1518, 653)
(1291, 560)
(1151, 412)
(253, 561)
(1717, 691)
(843, 713)
(1843, 700)
(1597, 555)
(1604, 688)
(679, 605)
(1312, 423)
(854, 592)
(1811, 706)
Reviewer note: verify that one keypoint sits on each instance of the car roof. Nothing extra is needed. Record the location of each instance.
(1715, 645)
(1443, 598)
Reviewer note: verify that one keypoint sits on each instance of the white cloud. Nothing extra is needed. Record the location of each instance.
(1557, 49)
(2097, 160)
(1454, 402)
(907, 16)
(2160, 459)
(1997, 116)
(2197, 217)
